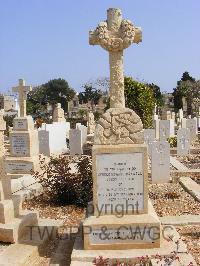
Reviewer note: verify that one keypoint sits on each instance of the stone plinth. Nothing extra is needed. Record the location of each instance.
(24, 156)
(111, 232)
(120, 199)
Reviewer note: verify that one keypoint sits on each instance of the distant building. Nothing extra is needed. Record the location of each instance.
(168, 99)
(9, 103)
(75, 108)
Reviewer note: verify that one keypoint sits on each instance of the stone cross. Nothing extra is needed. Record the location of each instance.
(22, 90)
(115, 35)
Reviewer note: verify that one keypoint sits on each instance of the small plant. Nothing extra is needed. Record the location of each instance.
(141, 261)
(100, 261)
(63, 185)
(172, 141)
(9, 122)
(39, 122)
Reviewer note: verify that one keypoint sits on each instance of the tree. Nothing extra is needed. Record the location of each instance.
(52, 92)
(58, 91)
(157, 94)
(181, 90)
(36, 101)
(140, 98)
(191, 91)
(90, 94)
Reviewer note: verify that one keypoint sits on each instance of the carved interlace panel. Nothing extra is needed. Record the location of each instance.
(119, 126)
(119, 41)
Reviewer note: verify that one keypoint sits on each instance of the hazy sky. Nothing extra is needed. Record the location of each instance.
(45, 39)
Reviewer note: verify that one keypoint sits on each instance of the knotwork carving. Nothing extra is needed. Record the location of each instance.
(119, 126)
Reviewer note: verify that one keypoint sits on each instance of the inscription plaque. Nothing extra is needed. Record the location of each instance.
(120, 182)
(19, 167)
(123, 234)
(20, 124)
(20, 145)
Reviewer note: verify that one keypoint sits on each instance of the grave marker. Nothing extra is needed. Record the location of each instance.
(75, 142)
(120, 169)
(149, 137)
(191, 124)
(183, 141)
(160, 162)
(166, 129)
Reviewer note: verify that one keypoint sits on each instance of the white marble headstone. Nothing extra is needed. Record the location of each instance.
(149, 137)
(191, 124)
(166, 129)
(183, 141)
(52, 138)
(160, 162)
(84, 132)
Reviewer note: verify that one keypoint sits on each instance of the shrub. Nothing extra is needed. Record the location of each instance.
(9, 122)
(63, 185)
(172, 141)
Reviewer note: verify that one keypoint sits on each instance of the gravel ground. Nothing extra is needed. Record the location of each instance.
(172, 199)
(3, 246)
(191, 236)
(191, 161)
(70, 214)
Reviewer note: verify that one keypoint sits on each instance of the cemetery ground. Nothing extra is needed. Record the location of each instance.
(169, 200)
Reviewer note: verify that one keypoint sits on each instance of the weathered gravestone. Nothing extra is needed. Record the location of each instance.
(149, 137)
(58, 114)
(13, 220)
(160, 162)
(119, 155)
(183, 141)
(183, 122)
(75, 142)
(166, 129)
(91, 123)
(24, 157)
(191, 124)
(166, 115)
(84, 132)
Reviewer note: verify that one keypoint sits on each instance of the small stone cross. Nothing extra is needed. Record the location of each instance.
(22, 90)
(115, 35)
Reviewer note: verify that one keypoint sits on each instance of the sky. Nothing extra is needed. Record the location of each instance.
(46, 39)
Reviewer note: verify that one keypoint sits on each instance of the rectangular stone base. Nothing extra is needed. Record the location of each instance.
(6, 211)
(14, 230)
(80, 256)
(130, 231)
(19, 166)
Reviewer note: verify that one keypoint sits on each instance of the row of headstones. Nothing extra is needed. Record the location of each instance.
(165, 129)
(159, 150)
(52, 138)
(178, 118)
